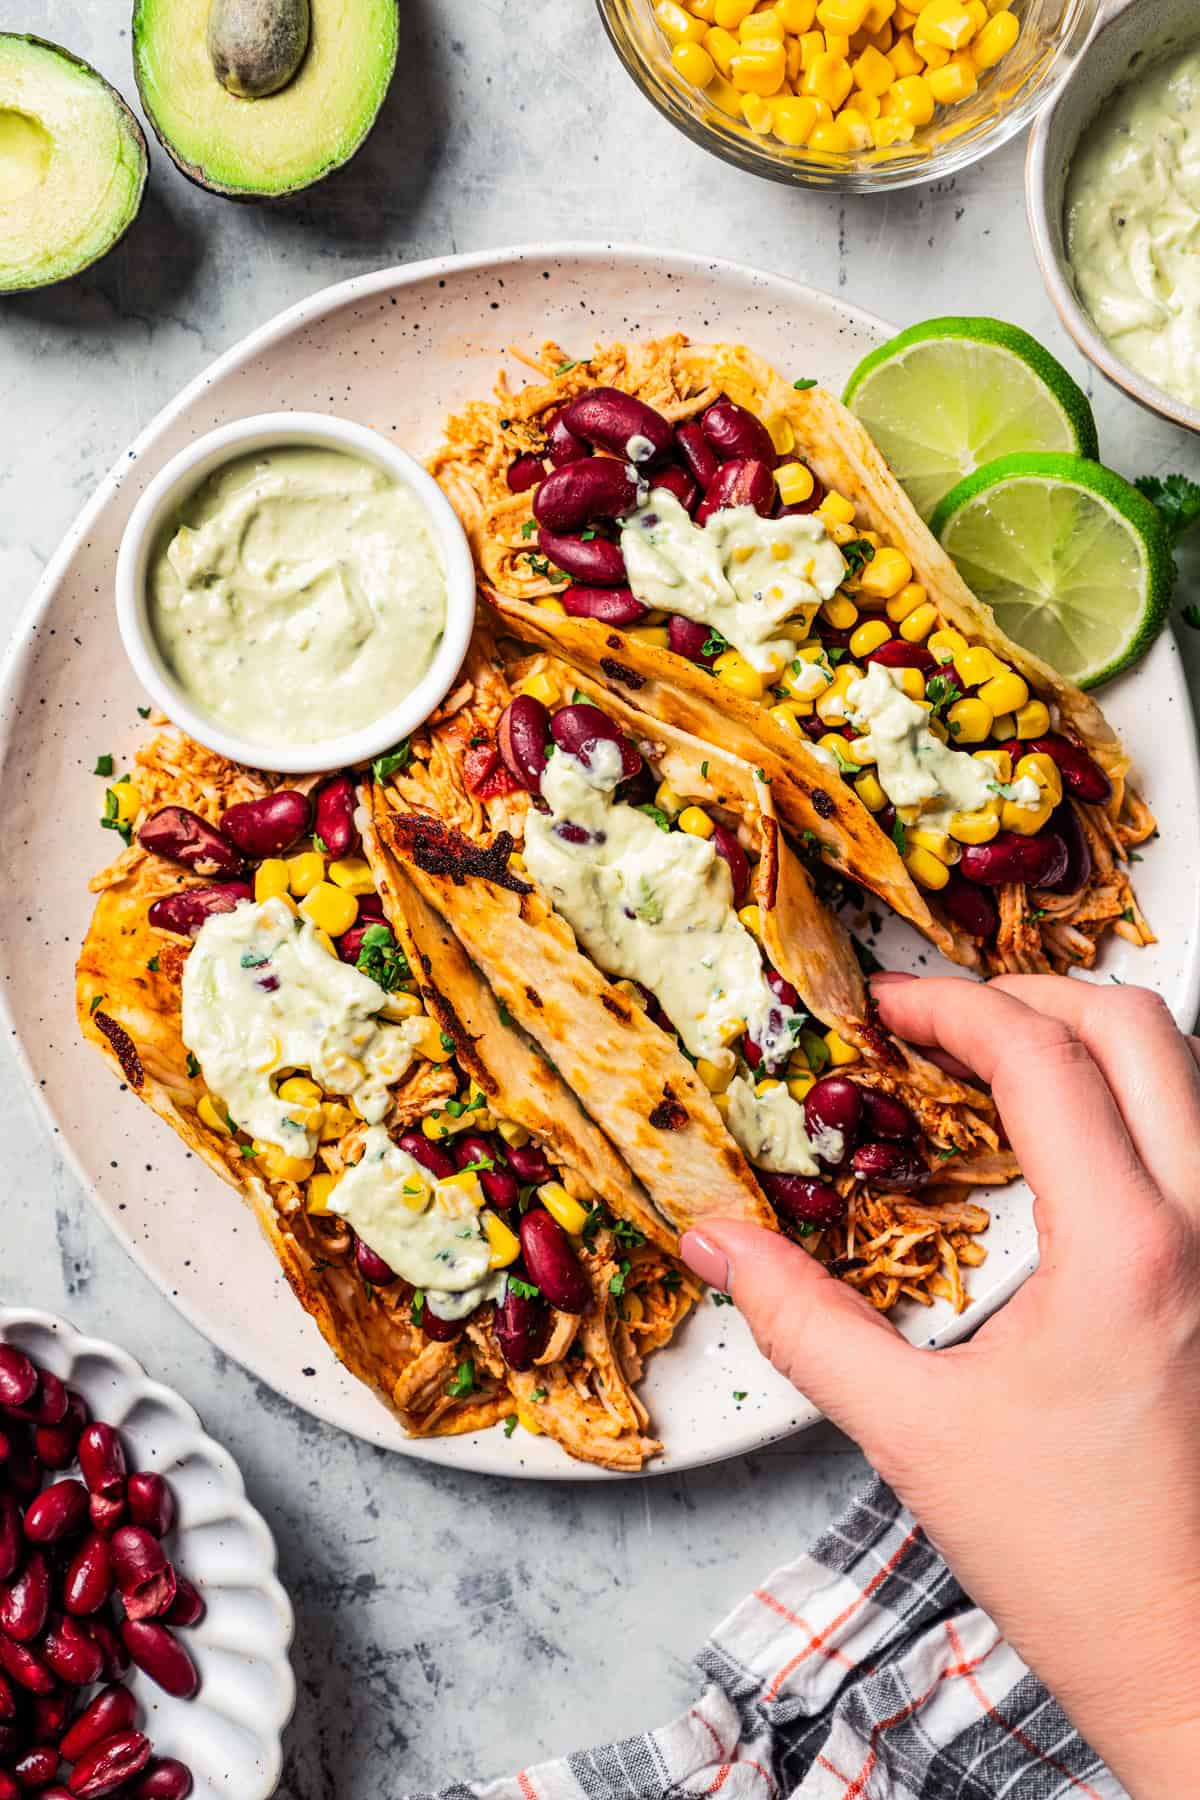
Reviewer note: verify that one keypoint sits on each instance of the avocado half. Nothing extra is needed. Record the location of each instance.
(276, 145)
(73, 164)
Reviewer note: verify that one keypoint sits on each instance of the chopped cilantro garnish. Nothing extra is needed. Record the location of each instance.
(110, 821)
(143, 712)
(858, 553)
(152, 965)
(649, 906)
(564, 368)
(540, 1394)
(657, 814)
(320, 844)
(1127, 915)
(672, 1279)
(595, 1219)
(616, 1286)
(416, 1305)
(463, 1382)
(528, 528)
(944, 1152)
(846, 764)
(835, 656)
(1177, 500)
(193, 1067)
(704, 770)
(385, 766)
(941, 691)
(720, 1299)
(247, 1150)
(900, 836)
(505, 1015)
(104, 766)
(447, 1041)
(628, 1235)
(510, 1425)
(585, 537)
(96, 1002)
(541, 566)
(805, 381)
(714, 643)
(381, 957)
(739, 1393)
(481, 1162)
(524, 1290)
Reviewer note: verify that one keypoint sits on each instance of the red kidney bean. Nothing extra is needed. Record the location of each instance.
(611, 606)
(165, 1778)
(499, 1184)
(971, 908)
(144, 1576)
(740, 483)
(159, 1654)
(552, 1263)
(8, 1786)
(151, 1502)
(22, 1467)
(432, 1157)
(105, 1514)
(1065, 821)
(25, 1602)
(72, 1652)
(833, 1104)
(49, 1717)
(18, 1377)
(696, 451)
(89, 1578)
(349, 945)
(782, 989)
(187, 1608)
(522, 737)
(1082, 776)
(806, 506)
(116, 1657)
(36, 1767)
(890, 1165)
(597, 562)
(1037, 861)
(56, 1445)
(186, 911)
(47, 1405)
(529, 1164)
(581, 492)
(26, 1668)
(883, 1116)
(109, 1764)
(524, 472)
(801, 1199)
(681, 484)
(442, 1331)
(113, 1709)
(520, 1326)
(102, 1460)
(562, 446)
(267, 826)
(12, 1538)
(751, 1051)
(734, 432)
(8, 1700)
(373, 1269)
(612, 420)
(897, 654)
(184, 837)
(726, 845)
(58, 1510)
(687, 638)
(578, 728)
(13, 1739)
(334, 820)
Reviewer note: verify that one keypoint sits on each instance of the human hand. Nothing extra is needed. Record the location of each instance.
(1055, 1458)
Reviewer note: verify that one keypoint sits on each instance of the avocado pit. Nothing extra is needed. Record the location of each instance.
(256, 46)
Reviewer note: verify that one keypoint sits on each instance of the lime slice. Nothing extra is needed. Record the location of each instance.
(945, 397)
(1075, 563)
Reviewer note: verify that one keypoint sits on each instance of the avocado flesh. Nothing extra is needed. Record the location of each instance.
(72, 164)
(286, 140)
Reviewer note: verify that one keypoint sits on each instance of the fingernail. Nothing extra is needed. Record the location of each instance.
(706, 1260)
(889, 977)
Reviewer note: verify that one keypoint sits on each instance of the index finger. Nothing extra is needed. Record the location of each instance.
(1057, 1108)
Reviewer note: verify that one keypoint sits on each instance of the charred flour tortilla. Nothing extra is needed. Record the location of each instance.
(1034, 929)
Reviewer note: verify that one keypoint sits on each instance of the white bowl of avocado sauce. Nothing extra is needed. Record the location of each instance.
(295, 592)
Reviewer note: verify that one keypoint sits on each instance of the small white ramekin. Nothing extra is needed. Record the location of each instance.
(181, 477)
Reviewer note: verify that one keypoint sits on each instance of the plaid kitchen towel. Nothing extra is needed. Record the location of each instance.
(860, 1672)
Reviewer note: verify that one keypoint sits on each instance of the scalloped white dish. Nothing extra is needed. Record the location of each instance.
(230, 1733)
(397, 351)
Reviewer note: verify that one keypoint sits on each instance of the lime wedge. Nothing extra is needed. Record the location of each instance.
(1075, 563)
(945, 397)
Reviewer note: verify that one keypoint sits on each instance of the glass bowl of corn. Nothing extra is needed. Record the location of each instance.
(850, 94)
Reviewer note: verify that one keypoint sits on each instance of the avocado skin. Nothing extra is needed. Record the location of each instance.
(256, 46)
(139, 136)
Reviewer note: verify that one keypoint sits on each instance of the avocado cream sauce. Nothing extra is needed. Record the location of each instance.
(299, 596)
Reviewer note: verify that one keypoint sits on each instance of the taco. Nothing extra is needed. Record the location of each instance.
(730, 552)
(464, 1236)
(626, 893)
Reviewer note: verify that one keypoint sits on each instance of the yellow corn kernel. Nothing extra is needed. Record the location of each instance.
(761, 71)
(938, 843)
(794, 479)
(925, 869)
(352, 873)
(677, 24)
(975, 827)
(633, 1309)
(763, 26)
(798, 1085)
(724, 95)
(271, 879)
(888, 131)
(319, 1189)
(786, 717)
(429, 1044)
(870, 793)
(913, 96)
(997, 6)
(868, 636)
(277, 1165)
(1043, 769)
(1004, 727)
(837, 44)
(869, 106)
(767, 1086)
(730, 13)
(828, 79)
(856, 128)
(948, 23)
(836, 506)
(331, 909)
(794, 51)
(415, 1192)
(903, 57)
(846, 749)
(873, 72)
(466, 1181)
(831, 707)
(552, 604)
(970, 721)
(944, 645)
(562, 1207)
(918, 624)
(527, 1422)
(1004, 693)
(667, 800)
(831, 137)
(441, 1124)
(910, 597)
(268, 1055)
(957, 81)
(337, 1121)
(759, 118)
(888, 572)
(879, 13)
(1033, 719)
(405, 1006)
(937, 729)
(783, 438)
(812, 45)
(1000, 761)
(632, 993)
(977, 665)
(305, 871)
(733, 671)
(797, 15)
(910, 682)
(703, 9)
(650, 634)
(541, 687)
(300, 1090)
(505, 1244)
(841, 15)
(934, 56)
(751, 918)
(694, 63)
(839, 611)
(715, 1078)
(212, 1111)
(696, 822)
(722, 46)
(1025, 820)
(840, 1052)
(905, 17)
(730, 1030)
(514, 1135)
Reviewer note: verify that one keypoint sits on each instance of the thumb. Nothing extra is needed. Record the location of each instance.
(828, 1341)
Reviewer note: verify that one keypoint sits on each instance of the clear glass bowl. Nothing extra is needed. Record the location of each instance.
(1053, 34)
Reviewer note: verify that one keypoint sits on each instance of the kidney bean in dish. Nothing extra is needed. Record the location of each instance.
(18, 1377)
(334, 821)
(499, 1184)
(144, 1577)
(577, 728)
(159, 1654)
(183, 837)
(552, 1264)
(89, 1578)
(164, 1778)
(371, 1267)
(113, 1709)
(562, 446)
(1064, 821)
(890, 1165)
(1034, 861)
(436, 1161)
(72, 1652)
(834, 1104)
(687, 638)
(267, 826)
(725, 844)
(523, 738)
(108, 1765)
(187, 1608)
(886, 1117)
(610, 605)
(521, 1325)
(740, 483)
(151, 1502)
(679, 482)
(801, 1199)
(25, 1602)
(102, 1460)
(696, 451)
(529, 1164)
(55, 1445)
(734, 432)
(1082, 776)
(970, 907)
(897, 654)
(581, 492)
(185, 912)
(594, 561)
(618, 422)
(442, 1331)
(524, 472)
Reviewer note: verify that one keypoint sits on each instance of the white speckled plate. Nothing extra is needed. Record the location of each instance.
(396, 351)
(229, 1734)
